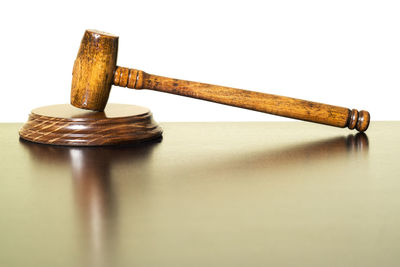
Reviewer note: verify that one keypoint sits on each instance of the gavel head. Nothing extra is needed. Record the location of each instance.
(93, 71)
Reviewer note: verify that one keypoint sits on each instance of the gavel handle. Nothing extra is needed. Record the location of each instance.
(267, 103)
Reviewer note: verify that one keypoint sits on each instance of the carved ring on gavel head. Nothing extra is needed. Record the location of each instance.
(95, 70)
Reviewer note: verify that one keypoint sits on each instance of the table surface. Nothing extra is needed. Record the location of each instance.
(208, 194)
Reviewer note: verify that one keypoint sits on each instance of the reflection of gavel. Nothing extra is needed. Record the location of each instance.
(95, 71)
(93, 174)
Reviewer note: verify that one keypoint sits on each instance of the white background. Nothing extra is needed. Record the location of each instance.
(344, 53)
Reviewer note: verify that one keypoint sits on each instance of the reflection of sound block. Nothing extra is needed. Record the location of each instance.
(66, 125)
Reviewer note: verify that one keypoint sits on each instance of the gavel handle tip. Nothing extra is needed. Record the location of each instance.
(363, 121)
(359, 120)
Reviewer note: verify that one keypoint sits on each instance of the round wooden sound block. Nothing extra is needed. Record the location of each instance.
(67, 125)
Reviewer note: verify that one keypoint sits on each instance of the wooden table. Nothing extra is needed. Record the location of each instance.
(208, 194)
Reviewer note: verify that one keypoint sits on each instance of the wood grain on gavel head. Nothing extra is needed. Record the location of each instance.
(95, 71)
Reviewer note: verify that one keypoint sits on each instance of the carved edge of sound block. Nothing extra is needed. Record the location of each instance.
(102, 132)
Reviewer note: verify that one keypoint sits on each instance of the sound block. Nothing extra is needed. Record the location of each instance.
(70, 126)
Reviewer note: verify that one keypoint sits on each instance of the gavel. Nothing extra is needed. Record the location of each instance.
(95, 71)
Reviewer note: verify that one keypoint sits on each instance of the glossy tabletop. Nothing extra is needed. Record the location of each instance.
(208, 194)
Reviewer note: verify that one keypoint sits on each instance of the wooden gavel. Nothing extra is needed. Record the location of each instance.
(95, 70)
